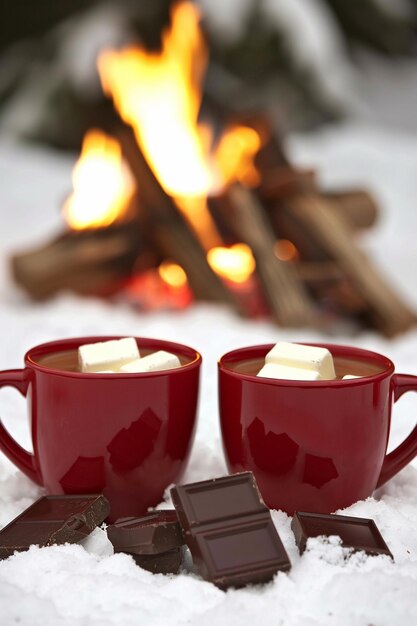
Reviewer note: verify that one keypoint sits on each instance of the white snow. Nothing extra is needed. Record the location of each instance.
(88, 585)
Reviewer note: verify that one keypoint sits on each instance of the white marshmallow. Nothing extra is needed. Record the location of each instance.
(155, 362)
(273, 370)
(107, 355)
(311, 358)
(350, 377)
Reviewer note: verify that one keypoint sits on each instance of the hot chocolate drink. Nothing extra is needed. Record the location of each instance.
(343, 366)
(67, 360)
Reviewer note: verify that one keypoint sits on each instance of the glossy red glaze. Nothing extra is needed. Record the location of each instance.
(126, 435)
(313, 446)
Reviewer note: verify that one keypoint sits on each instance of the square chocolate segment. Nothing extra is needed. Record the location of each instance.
(248, 553)
(218, 499)
(151, 534)
(229, 531)
(358, 533)
(56, 508)
(53, 520)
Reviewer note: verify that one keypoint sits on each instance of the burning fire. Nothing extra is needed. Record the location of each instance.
(159, 95)
(235, 263)
(103, 184)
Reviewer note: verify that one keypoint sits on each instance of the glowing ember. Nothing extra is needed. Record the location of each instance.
(285, 250)
(235, 263)
(163, 288)
(103, 184)
(172, 274)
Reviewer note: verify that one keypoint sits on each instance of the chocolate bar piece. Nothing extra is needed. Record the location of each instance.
(53, 520)
(155, 541)
(355, 532)
(229, 531)
(152, 534)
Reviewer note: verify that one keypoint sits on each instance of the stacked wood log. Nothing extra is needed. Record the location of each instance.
(324, 232)
(88, 262)
(329, 268)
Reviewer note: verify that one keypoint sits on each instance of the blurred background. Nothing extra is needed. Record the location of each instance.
(258, 155)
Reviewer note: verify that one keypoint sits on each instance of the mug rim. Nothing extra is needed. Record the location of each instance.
(74, 342)
(339, 349)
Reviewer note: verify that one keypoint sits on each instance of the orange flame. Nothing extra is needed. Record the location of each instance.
(159, 95)
(235, 263)
(103, 184)
(235, 155)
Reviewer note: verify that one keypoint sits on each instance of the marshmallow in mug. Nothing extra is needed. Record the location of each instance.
(303, 357)
(107, 355)
(293, 361)
(154, 362)
(123, 356)
(274, 370)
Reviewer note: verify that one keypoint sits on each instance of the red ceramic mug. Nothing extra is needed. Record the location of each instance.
(313, 446)
(126, 435)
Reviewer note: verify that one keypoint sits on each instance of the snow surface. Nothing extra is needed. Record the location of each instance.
(88, 585)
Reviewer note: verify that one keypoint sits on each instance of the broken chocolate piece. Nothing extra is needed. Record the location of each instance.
(152, 534)
(54, 520)
(355, 532)
(229, 531)
(155, 540)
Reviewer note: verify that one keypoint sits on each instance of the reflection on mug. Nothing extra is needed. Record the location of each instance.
(131, 446)
(271, 452)
(85, 475)
(318, 470)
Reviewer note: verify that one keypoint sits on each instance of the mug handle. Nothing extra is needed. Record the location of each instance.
(25, 461)
(407, 450)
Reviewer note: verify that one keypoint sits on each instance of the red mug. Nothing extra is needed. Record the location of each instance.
(128, 436)
(313, 446)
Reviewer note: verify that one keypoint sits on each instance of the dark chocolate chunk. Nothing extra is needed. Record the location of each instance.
(218, 499)
(229, 531)
(155, 541)
(164, 563)
(54, 520)
(355, 532)
(152, 534)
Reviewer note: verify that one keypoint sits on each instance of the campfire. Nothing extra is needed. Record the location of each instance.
(167, 210)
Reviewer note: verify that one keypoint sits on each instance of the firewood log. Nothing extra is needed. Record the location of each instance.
(331, 231)
(289, 301)
(90, 261)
